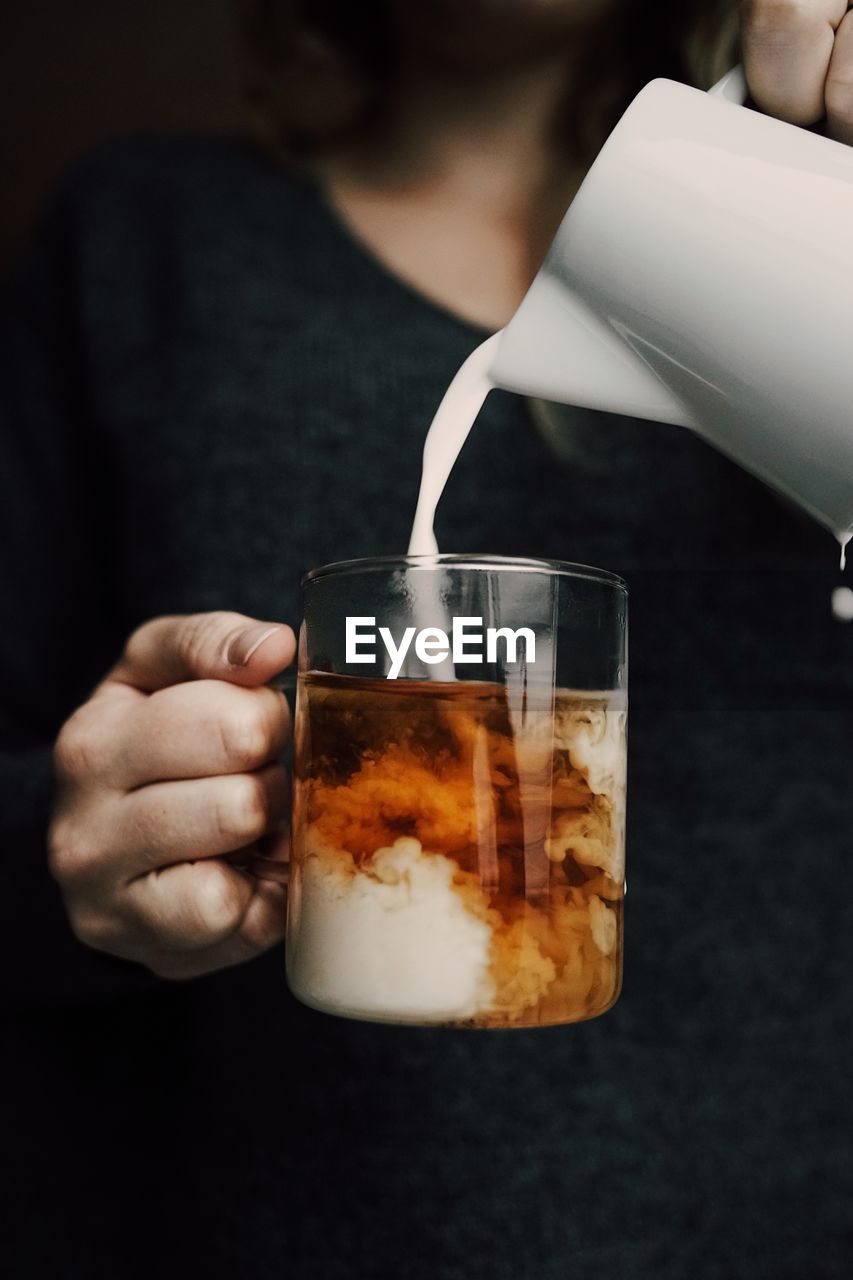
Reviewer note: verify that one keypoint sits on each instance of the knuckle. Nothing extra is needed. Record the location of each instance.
(242, 811)
(79, 750)
(246, 737)
(218, 902)
(90, 928)
(67, 857)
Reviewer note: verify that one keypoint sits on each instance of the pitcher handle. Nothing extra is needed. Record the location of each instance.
(732, 87)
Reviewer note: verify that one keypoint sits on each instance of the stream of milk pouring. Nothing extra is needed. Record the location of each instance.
(449, 429)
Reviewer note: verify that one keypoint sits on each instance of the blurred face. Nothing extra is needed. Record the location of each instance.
(493, 33)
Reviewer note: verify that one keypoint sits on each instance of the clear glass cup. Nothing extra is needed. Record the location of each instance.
(459, 804)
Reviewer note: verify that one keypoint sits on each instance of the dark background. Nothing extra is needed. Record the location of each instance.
(74, 74)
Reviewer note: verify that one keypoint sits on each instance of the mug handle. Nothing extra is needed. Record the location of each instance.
(732, 87)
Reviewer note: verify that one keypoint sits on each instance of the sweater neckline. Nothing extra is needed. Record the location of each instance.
(359, 250)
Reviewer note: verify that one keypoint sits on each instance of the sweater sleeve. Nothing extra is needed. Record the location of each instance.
(56, 582)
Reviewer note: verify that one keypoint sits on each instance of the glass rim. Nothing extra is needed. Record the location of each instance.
(448, 560)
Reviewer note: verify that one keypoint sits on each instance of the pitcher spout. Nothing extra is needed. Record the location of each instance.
(555, 347)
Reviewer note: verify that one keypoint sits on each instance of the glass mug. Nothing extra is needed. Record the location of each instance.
(459, 792)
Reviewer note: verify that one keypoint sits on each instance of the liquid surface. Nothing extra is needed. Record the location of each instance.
(450, 864)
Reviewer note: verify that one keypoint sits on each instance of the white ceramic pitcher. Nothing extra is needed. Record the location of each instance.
(703, 275)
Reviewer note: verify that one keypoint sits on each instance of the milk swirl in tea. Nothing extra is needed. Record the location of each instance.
(448, 870)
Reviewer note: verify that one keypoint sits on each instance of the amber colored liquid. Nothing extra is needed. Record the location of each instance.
(526, 804)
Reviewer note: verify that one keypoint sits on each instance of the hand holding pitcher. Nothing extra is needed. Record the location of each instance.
(798, 59)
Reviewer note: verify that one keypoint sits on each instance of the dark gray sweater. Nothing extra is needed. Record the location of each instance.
(207, 387)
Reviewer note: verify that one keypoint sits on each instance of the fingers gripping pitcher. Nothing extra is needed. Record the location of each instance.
(459, 805)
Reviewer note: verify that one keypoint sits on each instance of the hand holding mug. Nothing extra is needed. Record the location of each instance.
(170, 767)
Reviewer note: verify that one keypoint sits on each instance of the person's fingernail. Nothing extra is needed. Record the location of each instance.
(247, 642)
